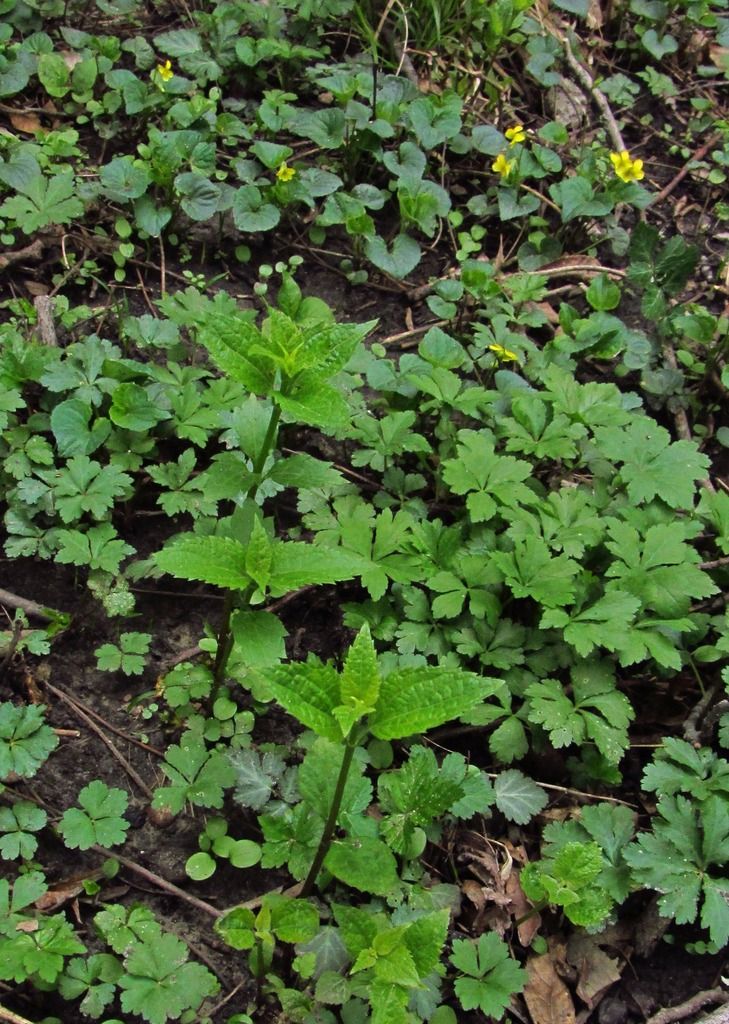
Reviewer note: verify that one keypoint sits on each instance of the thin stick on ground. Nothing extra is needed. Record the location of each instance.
(13, 1018)
(159, 882)
(599, 98)
(112, 728)
(29, 607)
(113, 749)
(698, 154)
(697, 1002)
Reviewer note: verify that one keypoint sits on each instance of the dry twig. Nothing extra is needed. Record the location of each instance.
(113, 749)
(697, 1002)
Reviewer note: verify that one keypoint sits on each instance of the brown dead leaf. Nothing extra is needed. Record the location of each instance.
(27, 926)
(594, 15)
(474, 893)
(65, 891)
(597, 970)
(520, 907)
(71, 59)
(28, 123)
(546, 995)
(719, 56)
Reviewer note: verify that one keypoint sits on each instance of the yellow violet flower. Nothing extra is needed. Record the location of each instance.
(165, 71)
(502, 166)
(626, 168)
(516, 134)
(504, 355)
(285, 173)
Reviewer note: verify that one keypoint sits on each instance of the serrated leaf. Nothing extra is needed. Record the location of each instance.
(220, 561)
(364, 863)
(416, 699)
(160, 984)
(309, 692)
(518, 797)
(100, 819)
(25, 740)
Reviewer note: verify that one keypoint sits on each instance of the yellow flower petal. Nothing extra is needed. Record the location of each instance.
(285, 173)
(504, 355)
(516, 134)
(502, 166)
(165, 71)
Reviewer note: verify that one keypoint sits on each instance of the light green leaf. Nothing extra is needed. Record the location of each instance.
(416, 699)
(365, 864)
(220, 561)
(518, 797)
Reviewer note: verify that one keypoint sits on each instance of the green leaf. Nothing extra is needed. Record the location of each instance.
(199, 197)
(297, 564)
(413, 700)
(98, 548)
(602, 624)
(491, 481)
(160, 984)
(317, 781)
(518, 797)
(132, 408)
(251, 213)
(259, 555)
(492, 976)
(360, 679)
(258, 638)
(99, 822)
(200, 866)
(256, 776)
(124, 178)
(196, 775)
(53, 74)
(292, 920)
(678, 767)
(365, 864)
(70, 426)
(310, 692)
(530, 570)
(44, 201)
(25, 740)
(576, 198)
(398, 260)
(234, 344)
(652, 465)
(17, 823)
(220, 561)
(150, 216)
(603, 294)
(93, 978)
(237, 928)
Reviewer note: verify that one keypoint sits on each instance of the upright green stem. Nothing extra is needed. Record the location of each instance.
(268, 443)
(326, 837)
(225, 638)
(225, 634)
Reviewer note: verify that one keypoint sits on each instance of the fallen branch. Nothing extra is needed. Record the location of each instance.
(160, 882)
(598, 97)
(698, 154)
(29, 607)
(697, 1002)
(34, 251)
(13, 1018)
(43, 305)
(113, 749)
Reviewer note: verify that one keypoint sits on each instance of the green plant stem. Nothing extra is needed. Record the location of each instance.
(232, 600)
(268, 443)
(331, 822)
(225, 638)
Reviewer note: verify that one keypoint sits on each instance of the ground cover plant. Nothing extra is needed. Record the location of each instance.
(363, 374)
